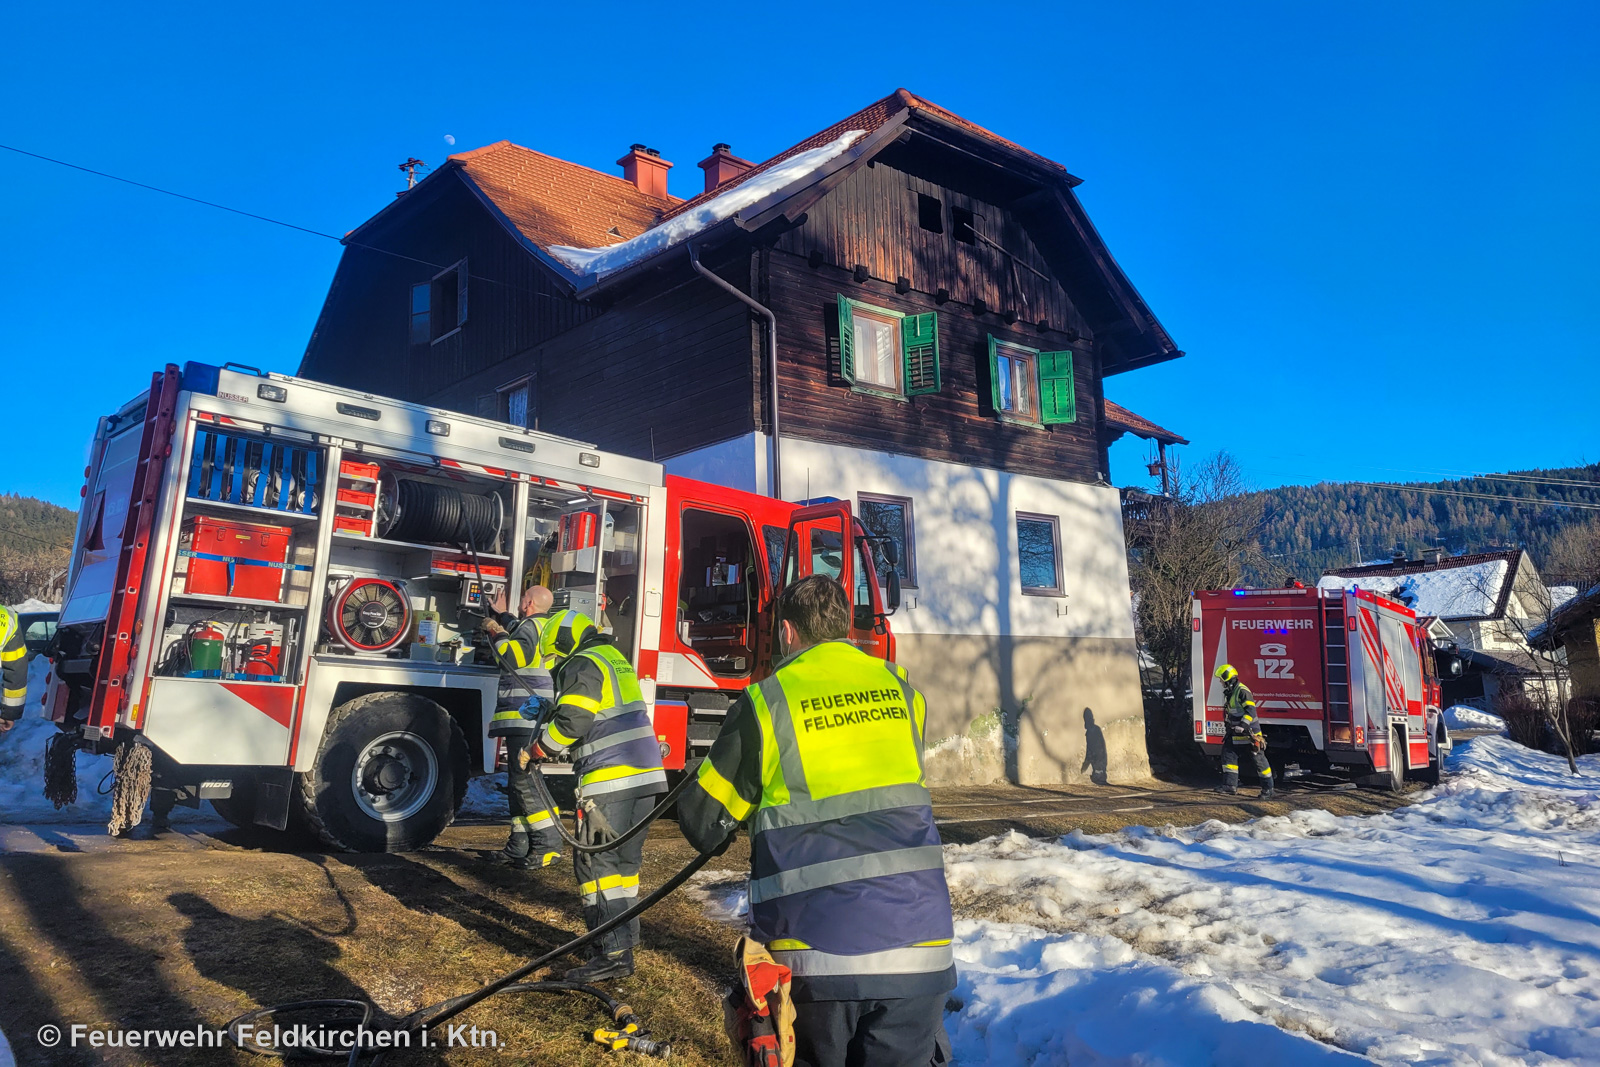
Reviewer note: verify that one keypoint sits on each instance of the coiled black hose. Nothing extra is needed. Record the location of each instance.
(428, 512)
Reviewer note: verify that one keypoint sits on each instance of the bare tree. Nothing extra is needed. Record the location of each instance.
(1573, 556)
(1205, 535)
(1547, 683)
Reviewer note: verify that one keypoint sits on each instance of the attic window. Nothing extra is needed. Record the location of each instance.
(439, 306)
(614, 232)
(930, 213)
(961, 224)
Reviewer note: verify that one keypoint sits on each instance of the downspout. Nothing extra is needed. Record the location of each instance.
(772, 358)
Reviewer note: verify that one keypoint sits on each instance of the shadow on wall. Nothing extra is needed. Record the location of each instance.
(1094, 749)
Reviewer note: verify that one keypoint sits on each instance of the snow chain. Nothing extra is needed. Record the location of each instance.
(61, 770)
(130, 789)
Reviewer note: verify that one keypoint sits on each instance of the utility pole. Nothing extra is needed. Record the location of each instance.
(410, 167)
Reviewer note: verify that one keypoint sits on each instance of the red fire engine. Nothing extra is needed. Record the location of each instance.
(1341, 678)
(275, 584)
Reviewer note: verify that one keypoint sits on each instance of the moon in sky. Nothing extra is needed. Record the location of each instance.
(449, 139)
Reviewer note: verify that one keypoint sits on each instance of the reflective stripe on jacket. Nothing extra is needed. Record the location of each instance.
(847, 883)
(601, 715)
(517, 653)
(13, 665)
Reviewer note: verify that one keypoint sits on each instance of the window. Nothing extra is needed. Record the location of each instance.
(420, 298)
(1026, 385)
(776, 537)
(890, 516)
(1039, 554)
(930, 213)
(439, 306)
(516, 405)
(884, 351)
(961, 225)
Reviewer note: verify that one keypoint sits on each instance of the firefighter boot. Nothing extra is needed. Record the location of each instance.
(602, 967)
(1230, 780)
(1268, 790)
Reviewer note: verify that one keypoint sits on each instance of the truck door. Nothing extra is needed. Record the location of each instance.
(825, 539)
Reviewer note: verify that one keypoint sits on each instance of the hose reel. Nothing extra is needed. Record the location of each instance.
(410, 509)
(369, 615)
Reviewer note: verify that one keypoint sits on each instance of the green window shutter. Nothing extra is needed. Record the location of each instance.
(1057, 400)
(994, 375)
(847, 342)
(919, 345)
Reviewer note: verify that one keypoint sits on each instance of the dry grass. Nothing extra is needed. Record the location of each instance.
(173, 935)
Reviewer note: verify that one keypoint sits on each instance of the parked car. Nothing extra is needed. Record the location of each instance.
(38, 627)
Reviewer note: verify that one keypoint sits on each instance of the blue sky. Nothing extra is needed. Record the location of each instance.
(1371, 226)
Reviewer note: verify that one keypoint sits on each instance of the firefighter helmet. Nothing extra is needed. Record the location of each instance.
(1226, 674)
(562, 633)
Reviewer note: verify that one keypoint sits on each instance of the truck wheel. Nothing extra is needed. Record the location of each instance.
(1396, 779)
(390, 774)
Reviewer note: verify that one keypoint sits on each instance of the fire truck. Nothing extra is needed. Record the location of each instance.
(1342, 679)
(276, 585)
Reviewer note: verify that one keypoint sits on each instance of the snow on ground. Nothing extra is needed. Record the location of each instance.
(34, 605)
(1467, 717)
(486, 797)
(602, 261)
(22, 770)
(1463, 929)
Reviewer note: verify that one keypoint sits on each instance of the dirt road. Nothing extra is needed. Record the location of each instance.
(194, 928)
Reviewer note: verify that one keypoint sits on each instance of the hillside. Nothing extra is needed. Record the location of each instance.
(35, 538)
(1311, 528)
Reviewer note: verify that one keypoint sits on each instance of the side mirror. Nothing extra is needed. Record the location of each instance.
(891, 595)
(1448, 663)
(891, 552)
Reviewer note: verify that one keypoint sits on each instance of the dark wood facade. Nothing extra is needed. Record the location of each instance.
(664, 363)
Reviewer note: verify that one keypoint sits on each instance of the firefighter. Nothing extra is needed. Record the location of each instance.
(1242, 731)
(823, 761)
(13, 668)
(534, 842)
(602, 720)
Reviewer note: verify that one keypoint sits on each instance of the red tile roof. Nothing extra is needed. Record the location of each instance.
(553, 202)
(1120, 418)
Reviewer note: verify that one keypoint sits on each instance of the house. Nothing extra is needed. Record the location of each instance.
(904, 309)
(1574, 626)
(1490, 601)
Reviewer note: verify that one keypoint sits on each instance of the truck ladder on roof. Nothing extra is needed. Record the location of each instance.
(1336, 659)
(118, 644)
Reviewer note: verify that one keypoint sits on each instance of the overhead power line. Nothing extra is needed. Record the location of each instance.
(1535, 501)
(263, 218)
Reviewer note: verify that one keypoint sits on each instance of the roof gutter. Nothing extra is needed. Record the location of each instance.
(772, 356)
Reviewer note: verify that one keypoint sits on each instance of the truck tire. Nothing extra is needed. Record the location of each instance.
(1395, 780)
(389, 777)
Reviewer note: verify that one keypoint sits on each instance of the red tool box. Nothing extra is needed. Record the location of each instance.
(230, 558)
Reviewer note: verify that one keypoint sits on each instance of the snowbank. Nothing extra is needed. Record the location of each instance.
(602, 261)
(33, 605)
(22, 770)
(1467, 717)
(486, 797)
(1464, 928)
(1461, 929)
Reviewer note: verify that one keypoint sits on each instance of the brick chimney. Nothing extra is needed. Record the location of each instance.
(645, 168)
(721, 165)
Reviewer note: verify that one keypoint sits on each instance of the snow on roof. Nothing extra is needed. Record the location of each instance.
(1560, 594)
(34, 605)
(1466, 592)
(679, 228)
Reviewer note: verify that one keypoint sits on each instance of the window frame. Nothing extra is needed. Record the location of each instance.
(902, 321)
(1054, 522)
(908, 551)
(1063, 368)
(894, 322)
(426, 315)
(503, 402)
(1032, 381)
(459, 269)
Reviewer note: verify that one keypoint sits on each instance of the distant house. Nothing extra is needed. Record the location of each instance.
(1574, 626)
(1490, 601)
(903, 309)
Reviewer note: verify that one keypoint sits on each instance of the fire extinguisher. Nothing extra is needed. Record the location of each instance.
(207, 643)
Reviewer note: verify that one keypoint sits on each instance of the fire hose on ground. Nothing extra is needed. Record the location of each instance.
(630, 1036)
